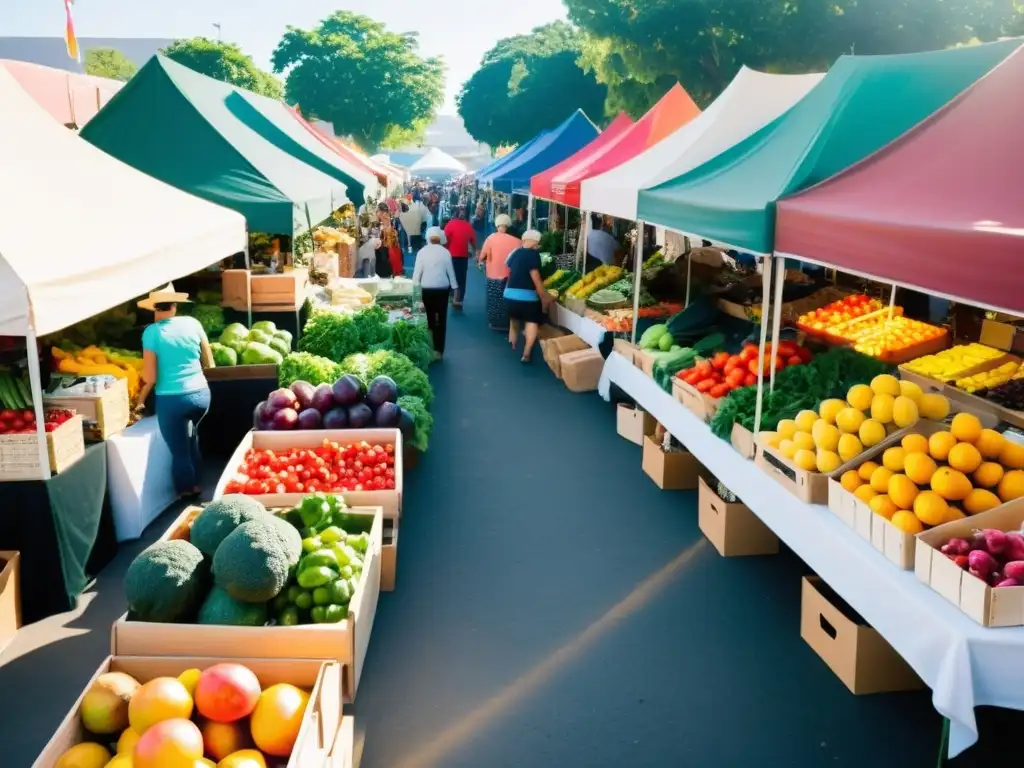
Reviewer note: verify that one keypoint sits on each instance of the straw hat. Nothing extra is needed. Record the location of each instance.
(165, 295)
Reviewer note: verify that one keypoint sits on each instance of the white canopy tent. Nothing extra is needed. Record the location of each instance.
(437, 164)
(82, 232)
(751, 101)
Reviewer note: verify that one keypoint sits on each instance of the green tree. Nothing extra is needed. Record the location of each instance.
(367, 81)
(223, 61)
(636, 47)
(529, 83)
(108, 62)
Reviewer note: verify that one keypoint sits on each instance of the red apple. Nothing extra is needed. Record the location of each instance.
(227, 692)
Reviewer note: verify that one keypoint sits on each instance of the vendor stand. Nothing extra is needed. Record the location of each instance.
(133, 233)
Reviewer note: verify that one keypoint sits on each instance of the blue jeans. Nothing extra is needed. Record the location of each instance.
(179, 417)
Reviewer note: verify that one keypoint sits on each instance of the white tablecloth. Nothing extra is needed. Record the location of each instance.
(965, 664)
(138, 477)
(584, 327)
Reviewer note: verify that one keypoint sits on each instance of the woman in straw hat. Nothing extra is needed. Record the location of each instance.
(495, 250)
(175, 351)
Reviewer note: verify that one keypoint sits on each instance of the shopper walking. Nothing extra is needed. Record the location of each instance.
(493, 255)
(461, 243)
(525, 298)
(412, 217)
(435, 275)
(175, 351)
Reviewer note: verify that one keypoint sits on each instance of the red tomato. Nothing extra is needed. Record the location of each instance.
(749, 380)
(795, 360)
(719, 390)
(705, 385)
(805, 354)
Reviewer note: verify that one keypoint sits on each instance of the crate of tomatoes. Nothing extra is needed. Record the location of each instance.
(701, 387)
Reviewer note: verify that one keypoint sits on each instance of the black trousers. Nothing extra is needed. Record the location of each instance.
(435, 302)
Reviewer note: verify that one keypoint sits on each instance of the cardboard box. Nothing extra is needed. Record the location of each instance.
(634, 423)
(103, 414)
(809, 487)
(672, 470)
(320, 723)
(549, 331)
(240, 372)
(732, 528)
(625, 348)
(581, 370)
(10, 596)
(742, 440)
(858, 655)
(644, 360)
(19, 454)
(698, 403)
(345, 642)
(343, 754)
(390, 501)
(284, 292)
(554, 348)
(895, 544)
(389, 556)
(1003, 607)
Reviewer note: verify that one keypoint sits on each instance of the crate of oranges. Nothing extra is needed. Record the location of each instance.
(932, 474)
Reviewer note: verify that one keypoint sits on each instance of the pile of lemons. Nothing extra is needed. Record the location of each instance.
(840, 430)
(927, 481)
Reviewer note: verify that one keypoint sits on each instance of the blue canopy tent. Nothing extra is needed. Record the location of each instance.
(547, 150)
(486, 172)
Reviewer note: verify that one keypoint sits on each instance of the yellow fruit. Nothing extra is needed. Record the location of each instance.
(907, 522)
(911, 390)
(826, 436)
(933, 406)
(988, 474)
(849, 447)
(902, 491)
(930, 508)
(893, 458)
(769, 439)
(966, 427)
(1012, 485)
(904, 412)
(940, 444)
(865, 493)
(881, 408)
(850, 480)
(849, 420)
(1012, 455)
(805, 459)
(915, 443)
(919, 467)
(805, 420)
(120, 761)
(126, 743)
(827, 461)
(829, 409)
(787, 449)
(980, 500)
(990, 444)
(85, 755)
(244, 758)
(190, 678)
(884, 384)
(953, 514)
(867, 469)
(803, 441)
(785, 429)
(880, 480)
(884, 506)
(950, 484)
(871, 433)
(860, 396)
(964, 457)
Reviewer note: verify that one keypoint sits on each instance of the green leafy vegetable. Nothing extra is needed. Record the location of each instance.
(302, 366)
(414, 341)
(421, 416)
(410, 379)
(330, 334)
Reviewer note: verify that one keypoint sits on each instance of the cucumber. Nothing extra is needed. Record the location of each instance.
(7, 394)
(26, 391)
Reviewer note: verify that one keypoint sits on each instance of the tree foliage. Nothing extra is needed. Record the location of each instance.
(529, 83)
(108, 62)
(637, 47)
(223, 61)
(368, 82)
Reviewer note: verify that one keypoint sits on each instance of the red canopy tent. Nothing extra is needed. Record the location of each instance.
(561, 182)
(941, 209)
(353, 157)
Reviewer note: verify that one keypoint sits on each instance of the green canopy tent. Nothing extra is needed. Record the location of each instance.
(862, 104)
(195, 133)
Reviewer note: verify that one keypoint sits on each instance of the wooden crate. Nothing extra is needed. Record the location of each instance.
(104, 413)
(19, 454)
(389, 557)
(283, 292)
(240, 372)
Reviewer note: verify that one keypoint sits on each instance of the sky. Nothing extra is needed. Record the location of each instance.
(460, 30)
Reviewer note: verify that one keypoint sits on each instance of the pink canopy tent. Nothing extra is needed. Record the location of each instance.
(941, 209)
(71, 99)
(541, 184)
(352, 156)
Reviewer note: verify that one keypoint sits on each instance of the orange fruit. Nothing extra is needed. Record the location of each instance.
(172, 743)
(964, 457)
(866, 469)
(966, 427)
(84, 755)
(1012, 455)
(990, 444)
(940, 444)
(919, 467)
(988, 474)
(914, 443)
(162, 698)
(953, 514)
(930, 508)
(865, 493)
(951, 484)
(275, 721)
(880, 480)
(884, 506)
(980, 500)
(246, 758)
(850, 480)
(893, 458)
(902, 491)
(1012, 485)
(906, 522)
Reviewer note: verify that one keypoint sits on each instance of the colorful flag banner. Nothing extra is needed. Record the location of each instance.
(69, 33)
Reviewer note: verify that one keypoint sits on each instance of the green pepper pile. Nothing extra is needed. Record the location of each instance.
(324, 581)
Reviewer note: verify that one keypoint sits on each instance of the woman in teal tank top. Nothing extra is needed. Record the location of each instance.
(175, 351)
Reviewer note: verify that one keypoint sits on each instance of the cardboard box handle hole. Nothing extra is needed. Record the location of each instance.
(826, 626)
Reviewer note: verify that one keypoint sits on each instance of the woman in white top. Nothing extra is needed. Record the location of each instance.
(435, 275)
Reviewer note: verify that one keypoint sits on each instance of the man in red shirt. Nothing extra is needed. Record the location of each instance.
(461, 239)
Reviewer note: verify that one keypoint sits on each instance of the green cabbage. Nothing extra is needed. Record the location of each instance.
(260, 354)
(223, 356)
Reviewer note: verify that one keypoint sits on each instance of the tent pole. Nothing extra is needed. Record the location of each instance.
(565, 228)
(35, 380)
(780, 279)
(248, 283)
(529, 211)
(584, 234)
(766, 282)
(689, 265)
(637, 274)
